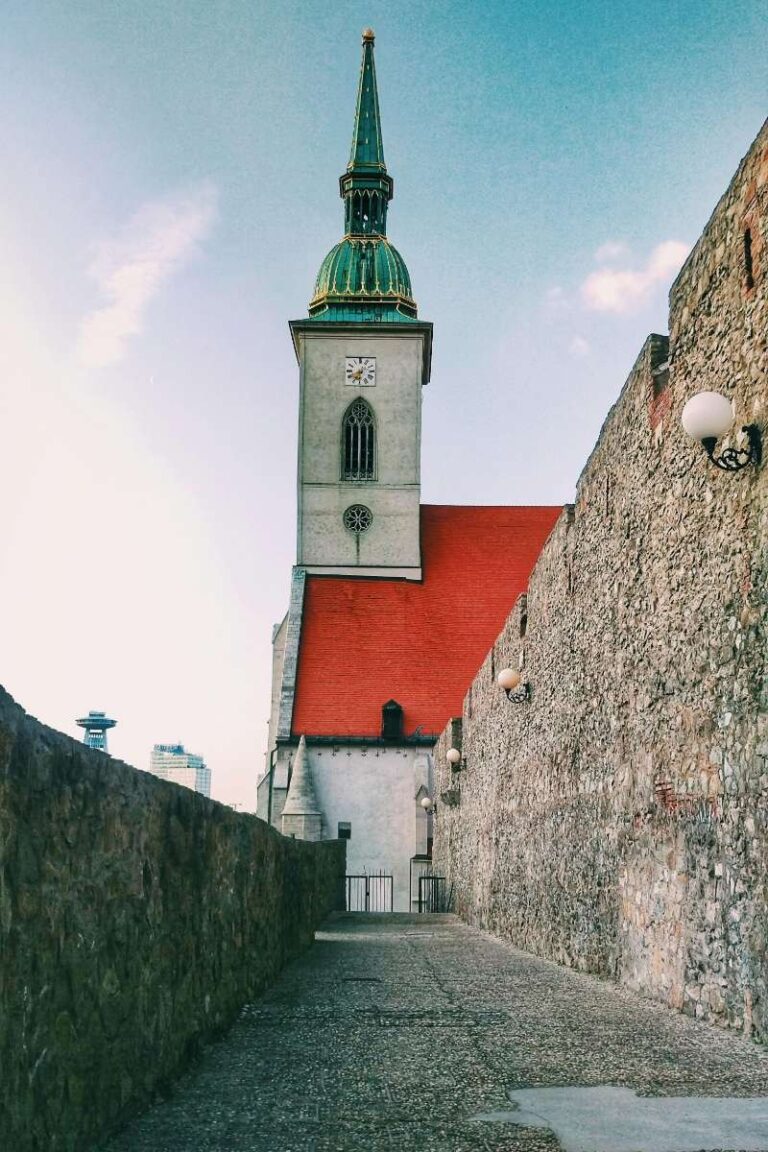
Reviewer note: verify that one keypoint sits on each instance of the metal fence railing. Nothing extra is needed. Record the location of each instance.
(369, 892)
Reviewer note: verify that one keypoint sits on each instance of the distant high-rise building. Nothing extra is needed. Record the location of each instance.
(96, 725)
(172, 762)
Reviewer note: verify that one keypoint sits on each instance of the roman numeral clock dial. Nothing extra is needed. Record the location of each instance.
(360, 370)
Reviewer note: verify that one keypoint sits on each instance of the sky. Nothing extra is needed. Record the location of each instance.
(169, 189)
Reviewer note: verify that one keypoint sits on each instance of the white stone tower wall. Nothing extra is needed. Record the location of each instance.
(392, 541)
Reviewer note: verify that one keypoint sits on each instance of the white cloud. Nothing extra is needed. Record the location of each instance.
(579, 347)
(610, 251)
(625, 289)
(131, 269)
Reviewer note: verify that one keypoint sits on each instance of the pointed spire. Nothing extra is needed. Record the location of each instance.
(301, 799)
(367, 147)
(365, 186)
(364, 278)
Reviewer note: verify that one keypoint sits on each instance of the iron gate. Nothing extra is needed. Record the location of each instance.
(369, 893)
(432, 894)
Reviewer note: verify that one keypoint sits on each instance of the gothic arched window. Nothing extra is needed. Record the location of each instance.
(358, 443)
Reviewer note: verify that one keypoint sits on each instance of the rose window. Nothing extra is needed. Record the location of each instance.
(358, 518)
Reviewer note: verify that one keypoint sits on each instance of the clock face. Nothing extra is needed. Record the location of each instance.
(360, 370)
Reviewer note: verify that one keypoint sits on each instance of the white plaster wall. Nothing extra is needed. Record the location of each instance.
(279, 788)
(278, 659)
(375, 791)
(393, 539)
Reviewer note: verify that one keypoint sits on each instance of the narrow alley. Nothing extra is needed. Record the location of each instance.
(411, 1033)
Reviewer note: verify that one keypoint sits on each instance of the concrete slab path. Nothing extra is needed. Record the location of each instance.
(416, 1033)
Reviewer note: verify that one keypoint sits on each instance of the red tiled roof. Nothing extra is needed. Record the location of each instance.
(366, 641)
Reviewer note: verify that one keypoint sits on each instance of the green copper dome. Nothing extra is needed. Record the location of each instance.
(363, 271)
(364, 278)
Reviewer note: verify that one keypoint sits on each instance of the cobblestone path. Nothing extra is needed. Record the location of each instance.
(394, 1032)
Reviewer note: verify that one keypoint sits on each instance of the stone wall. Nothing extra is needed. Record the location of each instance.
(618, 822)
(136, 917)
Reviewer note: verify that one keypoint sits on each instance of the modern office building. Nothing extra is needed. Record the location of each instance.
(173, 762)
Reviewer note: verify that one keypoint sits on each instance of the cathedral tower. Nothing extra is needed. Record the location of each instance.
(380, 581)
(363, 357)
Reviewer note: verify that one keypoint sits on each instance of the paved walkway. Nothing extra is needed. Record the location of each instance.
(409, 1033)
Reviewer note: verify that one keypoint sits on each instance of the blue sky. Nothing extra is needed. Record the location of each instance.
(169, 190)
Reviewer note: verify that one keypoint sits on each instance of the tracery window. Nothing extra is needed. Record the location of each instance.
(358, 452)
(358, 519)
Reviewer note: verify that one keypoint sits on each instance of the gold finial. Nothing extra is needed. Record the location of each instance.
(368, 35)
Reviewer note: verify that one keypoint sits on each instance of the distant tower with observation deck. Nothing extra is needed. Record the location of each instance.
(96, 725)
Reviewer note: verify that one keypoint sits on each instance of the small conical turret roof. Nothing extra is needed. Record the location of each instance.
(301, 799)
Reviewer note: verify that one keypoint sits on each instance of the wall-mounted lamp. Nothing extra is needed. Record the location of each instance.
(708, 416)
(453, 756)
(428, 804)
(512, 682)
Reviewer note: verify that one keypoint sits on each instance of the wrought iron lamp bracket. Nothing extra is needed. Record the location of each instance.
(734, 459)
(519, 695)
(451, 798)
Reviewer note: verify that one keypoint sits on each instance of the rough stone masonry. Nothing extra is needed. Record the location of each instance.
(136, 917)
(618, 822)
